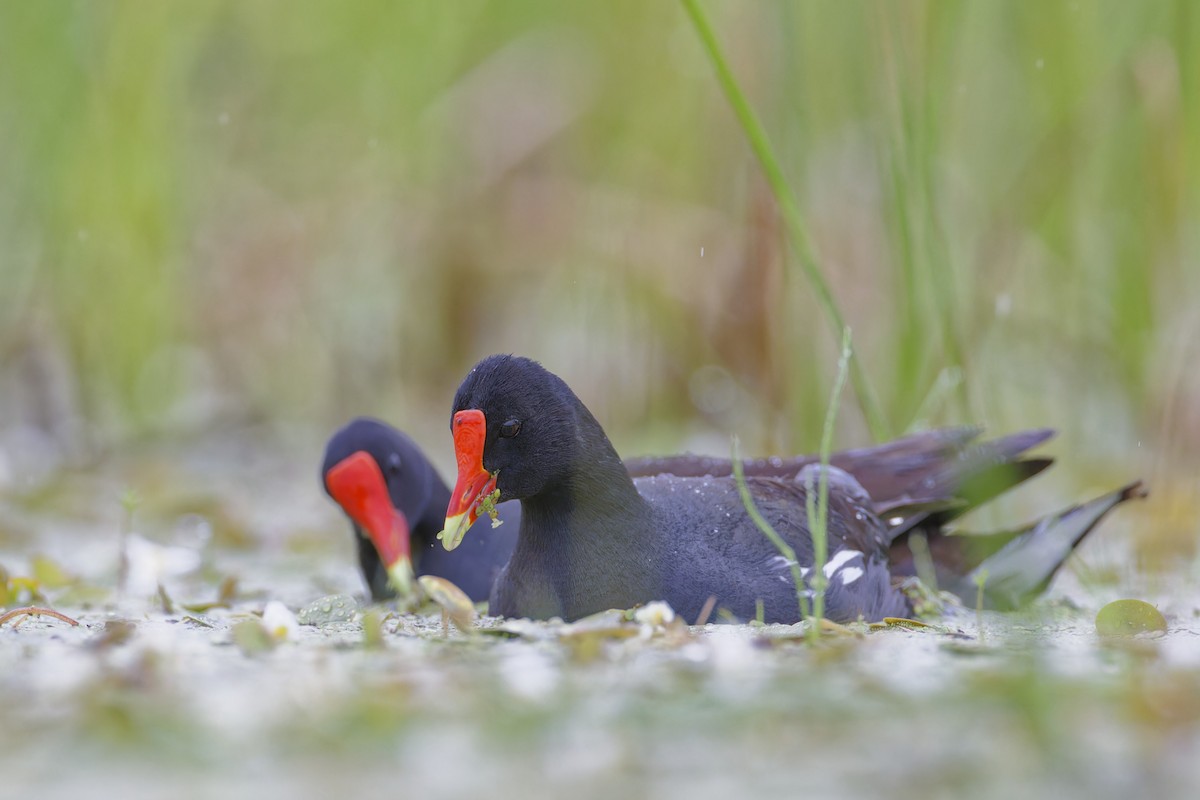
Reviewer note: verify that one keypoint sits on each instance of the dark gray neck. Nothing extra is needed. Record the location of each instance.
(585, 535)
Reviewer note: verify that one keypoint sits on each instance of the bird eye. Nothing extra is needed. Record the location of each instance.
(510, 428)
(393, 463)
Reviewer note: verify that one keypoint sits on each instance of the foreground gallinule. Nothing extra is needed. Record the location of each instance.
(592, 538)
(394, 496)
(389, 489)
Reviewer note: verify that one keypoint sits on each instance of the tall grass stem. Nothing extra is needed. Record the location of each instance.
(798, 231)
(817, 506)
(785, 549)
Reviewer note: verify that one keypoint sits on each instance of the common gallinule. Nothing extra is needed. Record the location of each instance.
(389, 489)
(395, 498)
(592, 538)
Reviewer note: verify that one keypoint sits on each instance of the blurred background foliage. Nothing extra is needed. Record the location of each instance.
(221, 215)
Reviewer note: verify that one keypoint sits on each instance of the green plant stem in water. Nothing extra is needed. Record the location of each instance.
(130, 502)
(817, 504)
(923, 560)
(800, 238)
(980, 581)
(783, 547)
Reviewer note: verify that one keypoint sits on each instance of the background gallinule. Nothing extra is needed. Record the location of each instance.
(394, 498)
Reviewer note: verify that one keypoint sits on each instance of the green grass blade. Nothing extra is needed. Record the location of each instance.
(768, 530)
(798, 231)
(817, 507)
(816, 503)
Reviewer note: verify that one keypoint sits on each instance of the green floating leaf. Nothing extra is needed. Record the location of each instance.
(968, 648)
(202, 608)
(587, 644)
(372, 623)
(328, 610)
(83, 594)
(501, 632)
(25, 590)
(903, 622)
(49, 574)
(455, 604)
(116, 632)
(130, 500)
(1129, 617)
(252, 638)
(227, 595)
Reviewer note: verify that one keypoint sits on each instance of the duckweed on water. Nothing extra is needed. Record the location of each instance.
(1129, 617)
(487, 504)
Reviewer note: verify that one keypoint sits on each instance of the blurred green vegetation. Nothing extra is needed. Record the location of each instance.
(217, 212)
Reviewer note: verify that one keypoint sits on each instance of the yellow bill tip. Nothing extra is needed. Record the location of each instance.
(456, 527)
(400, 576)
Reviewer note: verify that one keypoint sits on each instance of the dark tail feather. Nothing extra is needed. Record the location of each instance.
(884, 470)
(956, 495)
(990, 469)
(1021, 568)
(938, 468)
(978, 474)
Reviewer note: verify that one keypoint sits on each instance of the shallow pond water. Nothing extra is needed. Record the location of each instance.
(146, 698)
